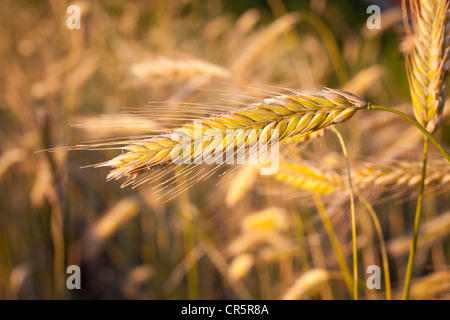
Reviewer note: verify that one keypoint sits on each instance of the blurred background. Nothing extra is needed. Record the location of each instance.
(224, 238)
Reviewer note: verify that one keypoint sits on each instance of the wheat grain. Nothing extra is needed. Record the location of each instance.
(428, 61)
(306, 137)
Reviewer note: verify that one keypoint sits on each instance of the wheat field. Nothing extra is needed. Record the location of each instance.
(92, 176)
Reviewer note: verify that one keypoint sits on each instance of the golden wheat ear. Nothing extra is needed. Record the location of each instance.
(403, 175)
(307, 177)
(285, 116)
(428, 59)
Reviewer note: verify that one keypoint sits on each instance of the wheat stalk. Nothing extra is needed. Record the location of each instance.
(428, 61)
(289, 115)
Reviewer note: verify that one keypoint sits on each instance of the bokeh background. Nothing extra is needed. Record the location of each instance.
(224, 238)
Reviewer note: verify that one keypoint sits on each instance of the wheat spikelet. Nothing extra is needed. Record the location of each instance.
(402, 175)
(306, 137)
(166, 70)
(240, 266)
(428, 60)
(282, 117)
(240, 185)
(308, 177)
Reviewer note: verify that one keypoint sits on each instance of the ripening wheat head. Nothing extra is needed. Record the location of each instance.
(428, 61)
(288, 115)
(403, 175)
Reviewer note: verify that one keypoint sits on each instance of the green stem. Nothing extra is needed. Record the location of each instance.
(353, 215)
(412, 252)
(415, 123)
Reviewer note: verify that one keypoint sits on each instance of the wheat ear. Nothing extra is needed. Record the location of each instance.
(288, 115)
(403, 175)
(307, 177)
(428, 61)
